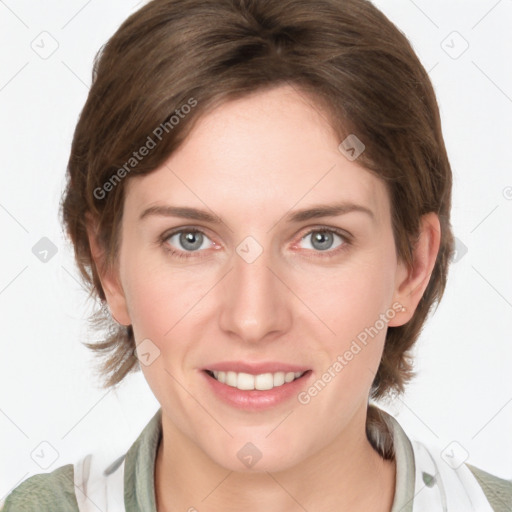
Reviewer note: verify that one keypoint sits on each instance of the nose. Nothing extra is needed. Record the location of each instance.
(255, 301)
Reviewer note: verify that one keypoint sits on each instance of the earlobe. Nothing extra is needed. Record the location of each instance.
(109, 279)
(411, 283)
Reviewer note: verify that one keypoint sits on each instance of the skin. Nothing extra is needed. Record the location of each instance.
(251, 162)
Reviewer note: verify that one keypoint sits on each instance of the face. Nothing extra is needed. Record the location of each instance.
(259, 295)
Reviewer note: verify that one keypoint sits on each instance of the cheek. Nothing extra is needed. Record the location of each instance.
(352, 296)
(162, 301)
(149, 302)
(161, 308)
(355, 302)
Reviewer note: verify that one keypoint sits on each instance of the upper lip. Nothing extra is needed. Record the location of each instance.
(255, 368)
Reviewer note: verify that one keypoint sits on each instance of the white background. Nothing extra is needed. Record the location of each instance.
(48, 391)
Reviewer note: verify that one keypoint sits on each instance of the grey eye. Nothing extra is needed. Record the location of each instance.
(189, 240)
(322, 239)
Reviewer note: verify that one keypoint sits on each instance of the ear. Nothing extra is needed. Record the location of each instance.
(109, 277)
(411, 283)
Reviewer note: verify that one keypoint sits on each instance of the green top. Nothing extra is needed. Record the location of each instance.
(55, 491)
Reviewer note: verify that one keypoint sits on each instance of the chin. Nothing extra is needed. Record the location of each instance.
(257, 455)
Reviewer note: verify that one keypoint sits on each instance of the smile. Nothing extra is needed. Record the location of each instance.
(261, 382)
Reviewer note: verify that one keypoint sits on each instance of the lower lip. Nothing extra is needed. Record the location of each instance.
(256, 400)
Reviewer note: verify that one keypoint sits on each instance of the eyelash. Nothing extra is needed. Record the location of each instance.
(347, 241)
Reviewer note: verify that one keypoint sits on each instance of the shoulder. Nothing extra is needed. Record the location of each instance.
(457, 481)
(498, 491)
(53, 491)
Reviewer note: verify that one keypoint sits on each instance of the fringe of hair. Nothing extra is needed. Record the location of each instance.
(380, 432)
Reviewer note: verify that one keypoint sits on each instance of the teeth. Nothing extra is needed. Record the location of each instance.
(231, 379)
(262, 382)
(279, 379)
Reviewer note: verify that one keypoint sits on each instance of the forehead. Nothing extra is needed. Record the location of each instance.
(260, 154)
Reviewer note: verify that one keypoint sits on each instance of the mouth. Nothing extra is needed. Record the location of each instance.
(261, 382)
(255, 386)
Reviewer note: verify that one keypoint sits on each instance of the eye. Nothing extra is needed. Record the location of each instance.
(322, 240)
(186, 241)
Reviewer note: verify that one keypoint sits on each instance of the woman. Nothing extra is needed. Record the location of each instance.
(260, 193)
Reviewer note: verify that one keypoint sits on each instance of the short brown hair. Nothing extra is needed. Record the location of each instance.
(343, 55)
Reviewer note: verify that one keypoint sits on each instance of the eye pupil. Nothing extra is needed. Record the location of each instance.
(322, 237)
(191, 237)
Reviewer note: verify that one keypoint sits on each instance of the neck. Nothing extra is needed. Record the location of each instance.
(347, 474)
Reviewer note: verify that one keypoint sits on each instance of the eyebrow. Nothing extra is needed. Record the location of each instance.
(313, 212)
